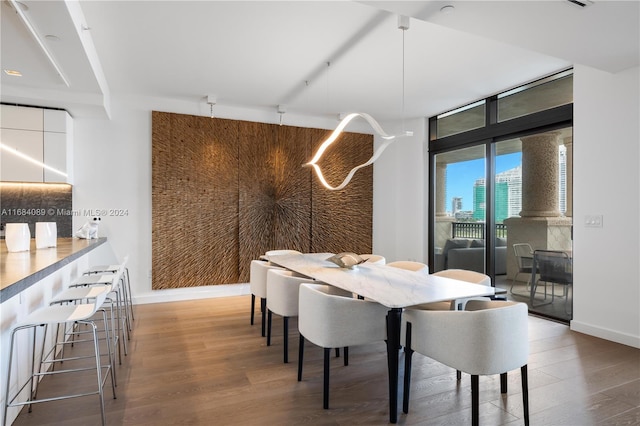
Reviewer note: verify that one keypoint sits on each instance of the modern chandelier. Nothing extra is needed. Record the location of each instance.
(403, 24)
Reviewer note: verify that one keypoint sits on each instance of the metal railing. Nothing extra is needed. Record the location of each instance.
(475, 230)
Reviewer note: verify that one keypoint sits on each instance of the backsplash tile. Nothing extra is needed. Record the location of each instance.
(37, 202)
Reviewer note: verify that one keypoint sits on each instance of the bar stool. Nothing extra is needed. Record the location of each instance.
(57, 315)
(80, 295)
(126, 284)
(120, 332)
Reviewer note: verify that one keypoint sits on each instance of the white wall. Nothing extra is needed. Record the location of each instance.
(113, 171)
(607, 182)
(400, 195)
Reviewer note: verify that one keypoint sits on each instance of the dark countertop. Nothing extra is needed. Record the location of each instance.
(19, 271)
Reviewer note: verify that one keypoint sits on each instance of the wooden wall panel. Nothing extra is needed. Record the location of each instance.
(275, 191)
(342, 220)
(226, 191)
(194, 201)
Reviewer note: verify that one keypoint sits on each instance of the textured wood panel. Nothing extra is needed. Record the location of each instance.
(225, 191)
(275, 191)
(342, 220)
(194, 201)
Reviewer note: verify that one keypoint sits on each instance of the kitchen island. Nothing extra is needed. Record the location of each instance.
(19, 271)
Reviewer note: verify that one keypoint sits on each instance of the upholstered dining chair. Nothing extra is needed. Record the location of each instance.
(409, 265)
(258, 288)
(332, 321)
(282, 299)
(458, 304)
(278, 252)
(374, 259)
(457, 274)
(489, 337)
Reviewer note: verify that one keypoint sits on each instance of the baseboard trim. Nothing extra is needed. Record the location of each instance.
(605, 333)
(191, 293)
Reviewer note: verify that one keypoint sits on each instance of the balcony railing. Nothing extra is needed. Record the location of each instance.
(475, 230)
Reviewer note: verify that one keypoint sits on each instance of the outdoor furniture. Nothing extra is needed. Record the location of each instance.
(554, 267)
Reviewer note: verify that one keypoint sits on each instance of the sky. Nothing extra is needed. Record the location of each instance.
(462, 176)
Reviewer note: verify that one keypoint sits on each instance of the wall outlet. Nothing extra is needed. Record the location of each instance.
(593, 221)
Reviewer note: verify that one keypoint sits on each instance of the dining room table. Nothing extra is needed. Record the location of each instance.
(392, 287)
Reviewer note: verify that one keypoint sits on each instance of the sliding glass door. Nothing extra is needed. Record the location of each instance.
(500, 181)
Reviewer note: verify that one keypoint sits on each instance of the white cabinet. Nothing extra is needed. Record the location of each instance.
(28, 143)
(41, 137)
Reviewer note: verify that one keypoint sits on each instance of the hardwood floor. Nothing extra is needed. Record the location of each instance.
(201, 363)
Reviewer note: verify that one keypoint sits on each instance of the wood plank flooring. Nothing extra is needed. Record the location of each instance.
(201, 363)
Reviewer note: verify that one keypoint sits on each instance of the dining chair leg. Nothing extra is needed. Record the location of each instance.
(269, 315)
(300, 356)
(285, 331)
(253, 307)
(458, 375)
(263, 309)
(325, 381)
(475, 400)
(337, 352)
(408, 352)
(525, 393)
(503, 383)
(346, 356)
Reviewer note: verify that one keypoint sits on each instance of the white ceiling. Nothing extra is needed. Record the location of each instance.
(268, 53)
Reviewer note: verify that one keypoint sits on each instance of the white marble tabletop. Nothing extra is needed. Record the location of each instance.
(387, 285)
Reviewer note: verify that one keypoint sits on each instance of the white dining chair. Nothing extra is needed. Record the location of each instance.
(489, 337)
(461, 275)
(282, 299)
(409, 265)
(332, 321)
(374, 259)
(258, 288)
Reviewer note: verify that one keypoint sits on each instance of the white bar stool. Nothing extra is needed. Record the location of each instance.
(126, 284)
(57, 315)
(121, 335)
(79, 295)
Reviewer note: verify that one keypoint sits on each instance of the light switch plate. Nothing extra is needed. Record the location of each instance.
(593, 221)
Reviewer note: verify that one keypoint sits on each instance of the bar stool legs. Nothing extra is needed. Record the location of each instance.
(58, 315)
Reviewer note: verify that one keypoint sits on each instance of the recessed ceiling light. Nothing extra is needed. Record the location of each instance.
(13, 73)
(447, 9)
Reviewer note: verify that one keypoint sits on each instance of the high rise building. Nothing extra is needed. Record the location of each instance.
(456, 205)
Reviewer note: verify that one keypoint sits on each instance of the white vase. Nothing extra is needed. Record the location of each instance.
(17, 237)
(46, 234)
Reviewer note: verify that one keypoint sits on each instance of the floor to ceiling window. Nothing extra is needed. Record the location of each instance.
(500, 180)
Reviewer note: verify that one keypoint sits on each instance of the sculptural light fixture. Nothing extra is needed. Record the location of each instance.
(334, 135)
(403, 24)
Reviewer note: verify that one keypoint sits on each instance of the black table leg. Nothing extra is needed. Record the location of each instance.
(393, 343)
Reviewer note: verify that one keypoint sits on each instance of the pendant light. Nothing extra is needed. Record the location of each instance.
(403, 24)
